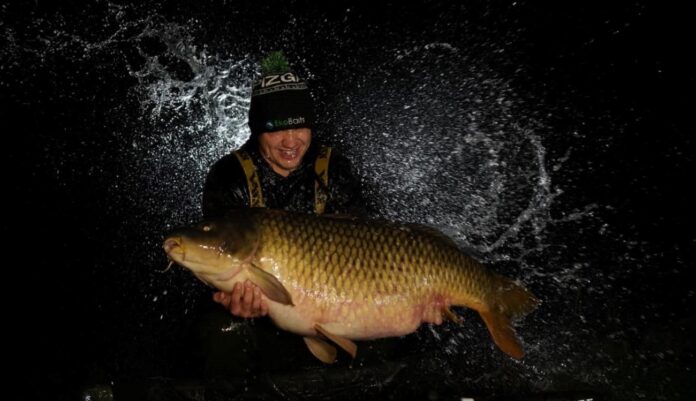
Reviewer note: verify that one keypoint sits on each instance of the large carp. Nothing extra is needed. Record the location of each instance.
(333, 280)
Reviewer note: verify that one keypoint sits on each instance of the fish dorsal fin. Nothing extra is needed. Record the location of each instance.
(324, 351)
(339, 216)
(446, 239)
(433, 232)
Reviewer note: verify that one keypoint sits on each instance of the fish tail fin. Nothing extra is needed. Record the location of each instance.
(510, 301)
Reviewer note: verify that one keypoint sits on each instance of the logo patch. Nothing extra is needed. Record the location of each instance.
(280, 124)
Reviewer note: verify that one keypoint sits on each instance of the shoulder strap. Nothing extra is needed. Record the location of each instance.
(321, 183)
(253, 183)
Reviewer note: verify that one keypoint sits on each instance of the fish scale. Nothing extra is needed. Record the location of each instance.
(425, 260)
(348, 279)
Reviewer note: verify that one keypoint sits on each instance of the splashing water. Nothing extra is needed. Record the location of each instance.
(441, 143)
(437, 136)
(455, 154)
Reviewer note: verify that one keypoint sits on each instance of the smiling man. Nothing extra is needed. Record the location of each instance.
(284, 150)
(281, 166)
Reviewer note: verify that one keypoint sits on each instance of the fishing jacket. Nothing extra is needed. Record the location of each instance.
(323, 183)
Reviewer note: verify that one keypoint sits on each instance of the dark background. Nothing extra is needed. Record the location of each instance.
(618, 73)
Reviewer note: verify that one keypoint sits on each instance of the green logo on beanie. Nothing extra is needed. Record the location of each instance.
(280, 124)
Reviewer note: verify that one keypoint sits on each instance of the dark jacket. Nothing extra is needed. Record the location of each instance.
(226, 185)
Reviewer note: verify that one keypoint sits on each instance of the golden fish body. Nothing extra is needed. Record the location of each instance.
(348, 279)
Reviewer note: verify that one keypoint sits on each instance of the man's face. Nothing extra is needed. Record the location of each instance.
(284, 150)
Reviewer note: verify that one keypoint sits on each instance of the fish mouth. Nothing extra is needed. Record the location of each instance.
(174, 248)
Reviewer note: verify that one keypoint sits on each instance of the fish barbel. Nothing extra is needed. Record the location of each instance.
(344, 279)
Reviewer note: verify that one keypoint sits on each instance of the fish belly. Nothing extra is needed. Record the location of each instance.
(354, 320)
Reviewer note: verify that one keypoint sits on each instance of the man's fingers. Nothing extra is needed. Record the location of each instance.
(235, 305)
(226, 302)
(245, 300)
(256, 305)
(223, 299)
(236, 291)
(264, 308)
(248, 298)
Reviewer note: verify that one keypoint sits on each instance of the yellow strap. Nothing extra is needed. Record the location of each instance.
(321, 168)
(253, 183)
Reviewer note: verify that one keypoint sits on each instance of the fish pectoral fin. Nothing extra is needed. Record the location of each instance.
(347, 345)
(324, 351)
(451, 316)
(269, 284)
(503, 333)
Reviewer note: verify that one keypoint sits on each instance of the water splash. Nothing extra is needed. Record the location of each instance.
(443, 142)
(438, 137)
(214, 98)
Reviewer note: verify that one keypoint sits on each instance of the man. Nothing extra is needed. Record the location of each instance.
(281, 166)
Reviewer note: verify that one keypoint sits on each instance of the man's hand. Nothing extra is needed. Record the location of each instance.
(245, 300)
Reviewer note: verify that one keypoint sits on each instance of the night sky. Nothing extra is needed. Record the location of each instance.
(554, 138)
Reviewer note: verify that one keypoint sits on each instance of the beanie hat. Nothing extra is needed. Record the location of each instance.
(280, 99)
